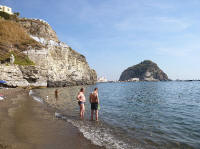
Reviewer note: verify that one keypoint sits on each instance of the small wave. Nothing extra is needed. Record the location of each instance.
(59, 115)
(101, 136)
(35, 97)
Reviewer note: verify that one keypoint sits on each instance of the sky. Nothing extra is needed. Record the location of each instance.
(117, 34)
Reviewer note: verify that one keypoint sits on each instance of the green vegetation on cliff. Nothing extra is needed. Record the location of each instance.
(7, 16)
(14, 40)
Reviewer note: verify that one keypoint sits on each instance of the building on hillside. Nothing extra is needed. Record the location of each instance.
(6, 9)
(102, 79)
(134, 80)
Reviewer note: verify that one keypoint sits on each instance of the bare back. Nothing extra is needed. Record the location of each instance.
(94, 97)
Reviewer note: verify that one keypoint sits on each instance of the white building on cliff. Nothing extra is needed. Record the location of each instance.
(102, 79)
(6, 9)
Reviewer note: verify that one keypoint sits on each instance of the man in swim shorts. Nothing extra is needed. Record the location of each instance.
(94, 100)
(81, 102)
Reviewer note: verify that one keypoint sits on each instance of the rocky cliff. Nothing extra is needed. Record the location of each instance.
(145, 71)
(55, 63)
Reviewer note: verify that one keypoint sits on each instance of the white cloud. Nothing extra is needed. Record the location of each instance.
(156, 24)
(174, 51)
(157, 5)
(188, 51)
(179, 23)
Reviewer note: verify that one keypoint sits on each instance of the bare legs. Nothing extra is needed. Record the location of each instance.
(96, 114)
(92, 111)
(82, 111)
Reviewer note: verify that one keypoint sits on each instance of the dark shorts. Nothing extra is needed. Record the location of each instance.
(80, 102)
(94, 106)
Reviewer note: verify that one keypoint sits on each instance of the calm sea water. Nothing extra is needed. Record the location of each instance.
(160, 115)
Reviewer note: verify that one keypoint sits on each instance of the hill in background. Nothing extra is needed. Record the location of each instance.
(144, 71)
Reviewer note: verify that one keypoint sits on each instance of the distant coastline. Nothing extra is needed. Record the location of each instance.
(177, 80)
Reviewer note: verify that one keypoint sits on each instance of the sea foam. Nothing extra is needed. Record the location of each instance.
(36, 98)
(100, 136)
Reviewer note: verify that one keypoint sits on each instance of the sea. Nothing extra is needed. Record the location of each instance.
(133, 115)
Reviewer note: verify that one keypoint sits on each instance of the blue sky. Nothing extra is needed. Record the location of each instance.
(116, 34)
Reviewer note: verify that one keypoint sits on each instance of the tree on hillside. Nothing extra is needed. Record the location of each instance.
(17, 14)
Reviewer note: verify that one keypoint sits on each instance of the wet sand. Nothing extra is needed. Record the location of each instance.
(28, 124)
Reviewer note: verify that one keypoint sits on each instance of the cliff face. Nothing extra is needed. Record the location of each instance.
(23, 75)
(38, 28)
(145, 71)
(56, 64)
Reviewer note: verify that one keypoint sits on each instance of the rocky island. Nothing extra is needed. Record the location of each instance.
(32, 55)
(144, 71)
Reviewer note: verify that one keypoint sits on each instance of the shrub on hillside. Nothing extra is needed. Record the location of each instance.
(11, 33)
(13, 38)
(7, 16)
(17, 14)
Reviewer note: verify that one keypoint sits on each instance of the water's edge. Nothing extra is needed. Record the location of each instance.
(148, 115)
(91, 130)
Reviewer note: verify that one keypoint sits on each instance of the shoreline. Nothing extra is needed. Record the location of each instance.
(26, 123)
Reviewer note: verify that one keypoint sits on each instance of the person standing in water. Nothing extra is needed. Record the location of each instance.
(56, 94)
(94, 100)
(81, 102)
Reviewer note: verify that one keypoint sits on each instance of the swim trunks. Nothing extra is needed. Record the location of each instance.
(94, 106)
(80, 102)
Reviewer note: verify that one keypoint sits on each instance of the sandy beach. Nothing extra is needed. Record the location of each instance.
(28, 124)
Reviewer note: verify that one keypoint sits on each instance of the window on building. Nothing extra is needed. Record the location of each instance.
(8, 9)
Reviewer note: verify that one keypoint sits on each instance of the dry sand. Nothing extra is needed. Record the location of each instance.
(28, 124)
